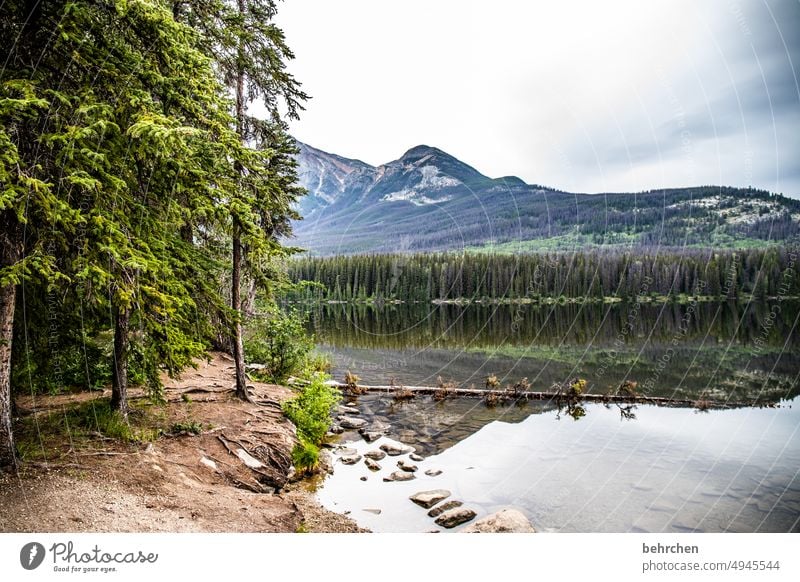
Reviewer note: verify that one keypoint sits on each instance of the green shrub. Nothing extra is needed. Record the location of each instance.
(305, 456)
(310, 410)
(279, 341)
(190, 426)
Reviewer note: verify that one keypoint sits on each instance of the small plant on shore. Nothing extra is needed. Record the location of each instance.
(444, 389)
(305, 457)
(492, 382)
(402, 393)
(522, 386)
(576, 388)
(188, 426)
(628, 389)
(351, 383)
(279, 341)
(702, 405)
(310, 411)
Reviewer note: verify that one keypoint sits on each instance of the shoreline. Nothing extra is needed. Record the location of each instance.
(230, 475)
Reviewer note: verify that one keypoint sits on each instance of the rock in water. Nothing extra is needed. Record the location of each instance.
(344, 451)
(350, 459)
(395, 449)
(375, 455)
(406, 466)
(415, 457)
(428, 499)
(343, 409)
(349, 422)
(372, 465)
(504, 521)
(370, 436)
(433, 472)
(400, 476)
(455, 517)
(447, 505)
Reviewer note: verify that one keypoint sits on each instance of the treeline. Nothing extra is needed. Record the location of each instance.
(530, 327)
(140, 204)
(769, 272)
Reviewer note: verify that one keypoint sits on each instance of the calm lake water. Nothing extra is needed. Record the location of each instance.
(608, 468)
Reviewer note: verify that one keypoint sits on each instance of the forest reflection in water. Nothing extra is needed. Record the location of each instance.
(738, 351)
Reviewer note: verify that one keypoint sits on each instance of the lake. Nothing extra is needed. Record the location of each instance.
(601, 468)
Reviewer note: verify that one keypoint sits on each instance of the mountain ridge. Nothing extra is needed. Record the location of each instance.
(429, 200)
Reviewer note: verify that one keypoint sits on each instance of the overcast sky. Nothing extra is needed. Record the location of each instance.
(584, 96)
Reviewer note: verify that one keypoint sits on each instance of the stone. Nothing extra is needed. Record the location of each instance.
(375, 455)
(348, 410)
(336, 429)
(428, 499)
(346, 451)
(208, 463)
(416, 457)
(349, 422)
(433, 472)
(350, 459)
(364, 478)
(372, 465)
(442, 507)
(370, 436)
(400, 476)
(455, 517)
(504, 521)
(406, 466)
(395, 449)
(249, 459)
(325, 461)
(375, 511)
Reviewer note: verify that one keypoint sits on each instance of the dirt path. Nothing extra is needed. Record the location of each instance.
(232, 477)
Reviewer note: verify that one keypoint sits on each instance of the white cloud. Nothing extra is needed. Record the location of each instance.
(581, 95)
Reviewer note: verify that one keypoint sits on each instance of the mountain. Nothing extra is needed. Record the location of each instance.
(429, 200)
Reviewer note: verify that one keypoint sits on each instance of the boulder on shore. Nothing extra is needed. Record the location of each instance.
(350, 459)
(350, 422)
(442, 507)
(406, 465)
(395, 449)
(400, 476)
(370, 435)
(455, 517)
(428, 499)
(504, 521)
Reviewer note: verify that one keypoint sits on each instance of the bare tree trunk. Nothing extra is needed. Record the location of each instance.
(119, 384)
(8, 456)
(236, 271)
(236, 305)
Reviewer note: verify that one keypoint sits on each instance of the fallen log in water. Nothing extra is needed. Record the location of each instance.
(500, 395)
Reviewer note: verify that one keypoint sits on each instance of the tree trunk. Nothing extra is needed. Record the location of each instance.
(119, 386)
(236, 274)
(8, 456)
(236, 305)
